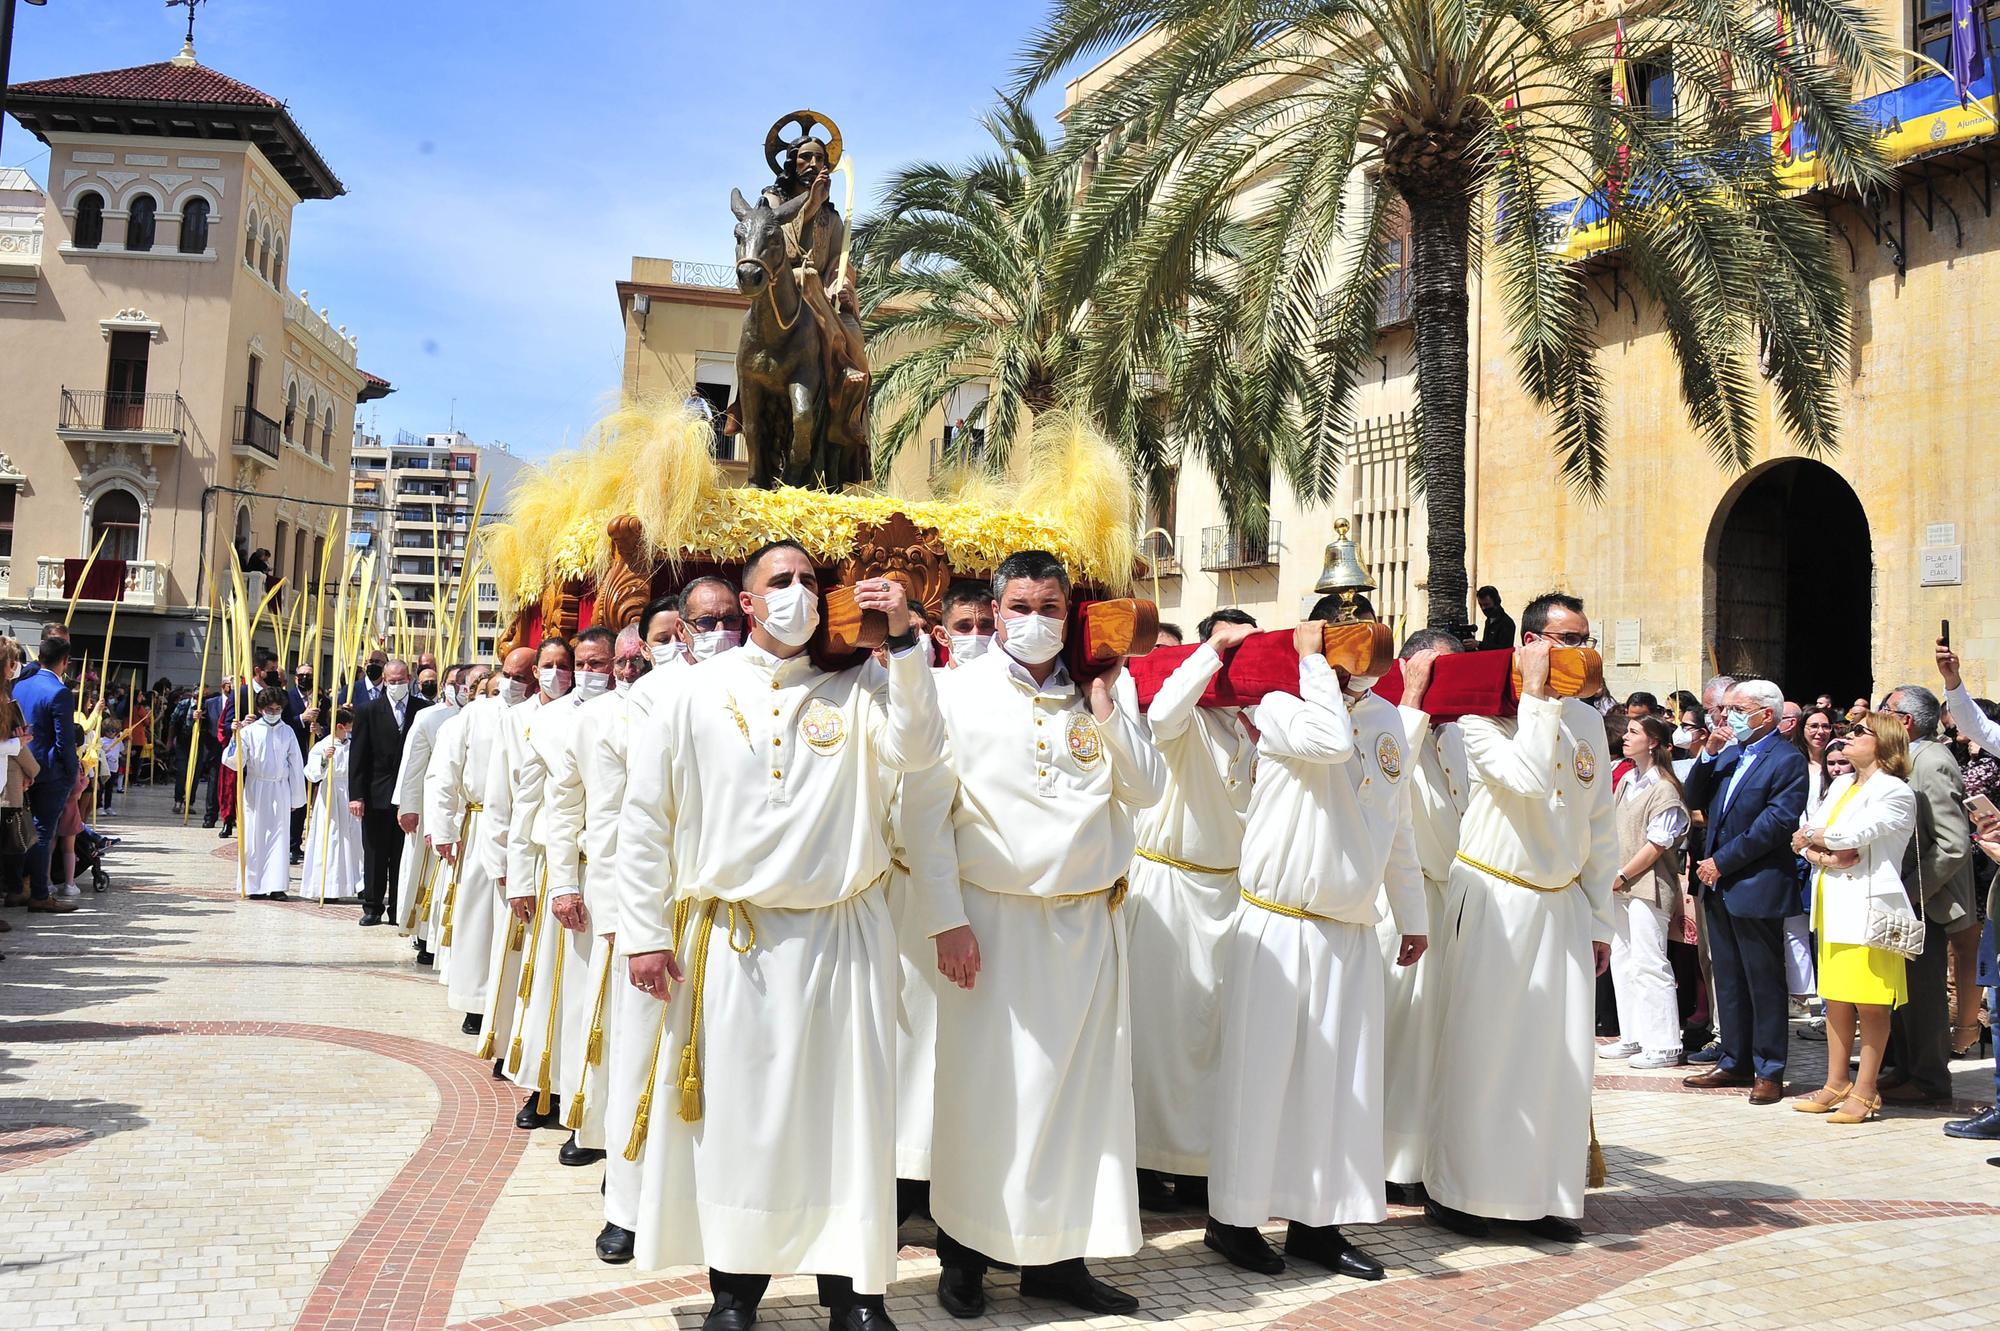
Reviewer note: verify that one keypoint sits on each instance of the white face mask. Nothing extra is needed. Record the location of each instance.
(555, 681)
(513, 691)
(593, 683)
(398, 693)
(1683, 736)
(791, 614)
(666, 653)
(622, 687)
(717, 641)
(273, 718)
(969, 646)
(1033, 639)
(1360, 684)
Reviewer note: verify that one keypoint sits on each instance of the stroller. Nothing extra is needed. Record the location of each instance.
(90, 848)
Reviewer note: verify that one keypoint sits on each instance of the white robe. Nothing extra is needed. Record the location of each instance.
(1033, 1159)
(921, 831)
(557, 962)
(273, 779)
(1509, 1124)
(508, 940)
(1437, 800)
(419, 875)
(758, 793)
(454, 813)
(333, 833)
(1298, 1088)
(1178, 917)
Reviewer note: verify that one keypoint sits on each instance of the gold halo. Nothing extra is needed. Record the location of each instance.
(807, 121)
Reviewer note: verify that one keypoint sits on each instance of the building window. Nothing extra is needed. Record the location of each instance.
(299, 569)
(291, 406)
(125, 380)
(115, 518)
(7, 493)
(278, 551)
(319, 558)
(1930, 22)
(312, 417)
(278, 262)
(326, 436)
(264, 250)
(90, 221)
(139, 224)
(250, 240)
(194, 226)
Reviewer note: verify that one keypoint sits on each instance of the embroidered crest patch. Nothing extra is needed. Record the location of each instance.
(1586, 764)
(1085, 744)
(823, 726)
(1388, 756)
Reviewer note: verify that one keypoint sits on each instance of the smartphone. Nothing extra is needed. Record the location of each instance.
(1984, 812)
(1944, 632)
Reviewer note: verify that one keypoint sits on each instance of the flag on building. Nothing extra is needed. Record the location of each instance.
(1782, 115)
(1968, 49)
(1621, 97)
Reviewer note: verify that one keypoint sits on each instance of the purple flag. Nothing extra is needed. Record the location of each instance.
(1968, 48)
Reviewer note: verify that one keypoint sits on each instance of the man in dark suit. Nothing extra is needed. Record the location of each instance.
(48, 710)
(375, 754)
(1753, 784)
(369, 687)
(1937, 873)
(1499, 624)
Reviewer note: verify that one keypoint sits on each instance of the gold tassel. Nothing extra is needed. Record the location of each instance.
(549, 1033)
(690, 1083)
(1595, 1174)
(485, 1049)
(593, 1052)
(514, 1055)
(544, 1095)
(690, 1078)
(573, 1118)
(642, 1115)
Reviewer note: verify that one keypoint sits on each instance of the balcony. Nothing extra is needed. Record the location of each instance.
(94, 415)
(144, 586)
(1225, 548)
(257, 436)
(1161, 554)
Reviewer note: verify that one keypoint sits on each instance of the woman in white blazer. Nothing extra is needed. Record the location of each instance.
(1854, 842)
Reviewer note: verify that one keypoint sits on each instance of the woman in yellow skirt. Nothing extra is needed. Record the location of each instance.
(1853, 843)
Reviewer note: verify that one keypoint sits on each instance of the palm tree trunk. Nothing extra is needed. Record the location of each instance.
(1441, 310)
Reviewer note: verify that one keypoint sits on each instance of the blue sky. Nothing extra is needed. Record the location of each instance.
(505, 160)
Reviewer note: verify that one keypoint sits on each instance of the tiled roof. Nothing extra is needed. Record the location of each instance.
(166, 81)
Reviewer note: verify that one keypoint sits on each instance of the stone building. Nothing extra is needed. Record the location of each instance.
(161, 384)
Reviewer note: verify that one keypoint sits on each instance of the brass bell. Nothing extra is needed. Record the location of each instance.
(1344, 573)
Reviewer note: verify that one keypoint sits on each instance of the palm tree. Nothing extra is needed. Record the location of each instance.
(1483, 118)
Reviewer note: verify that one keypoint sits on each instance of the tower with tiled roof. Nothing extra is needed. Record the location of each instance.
(165, 396)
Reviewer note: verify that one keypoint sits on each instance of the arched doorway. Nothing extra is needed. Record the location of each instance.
(1791, 582)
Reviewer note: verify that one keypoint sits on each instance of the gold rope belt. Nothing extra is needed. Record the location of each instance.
(527, 984)
(1183, 865)
(593, 1050)
(457, 867)
(1280, 908)
(900, 868)
(642, 1114)
(555, 1013)
(1506, 877)
(1116, 892)
(690, 1078)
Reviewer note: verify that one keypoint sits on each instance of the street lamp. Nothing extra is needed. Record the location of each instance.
(6, 50)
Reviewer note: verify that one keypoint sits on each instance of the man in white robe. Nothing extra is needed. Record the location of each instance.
(1032, 1152)
(516, 866)
(1298, 1087)
(468, 748)
(332, 869)
(265, 754)
(419, 868)
(757, 800)
(1438, 792)
(1182, 899)
(1528, 929)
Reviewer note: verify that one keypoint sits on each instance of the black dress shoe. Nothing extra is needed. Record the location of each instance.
(278, 896)
(1191, 1192)
(1327, 1246)
(424, 957)
(614, 1244)
(735, 1317)
(577, 1156)
(1071, 1282)
(206, 822)
(1556, 1228)
(1458, 1222)
(1242, 1245)
(473, 1021)
(1979, 1128)
(962, 1291)
(298, 857)
(913, 1197)
(499, 1069)
(1405, 1194)
(1154, 1194)
(859, 1317)
(529, 1119)
(370, 921)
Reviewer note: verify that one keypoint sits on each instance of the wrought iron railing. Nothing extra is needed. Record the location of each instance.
(1227, 548)
(100, 409)
(258, 432)
(1161, 554)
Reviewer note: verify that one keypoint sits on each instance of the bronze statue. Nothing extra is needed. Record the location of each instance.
(802, 383)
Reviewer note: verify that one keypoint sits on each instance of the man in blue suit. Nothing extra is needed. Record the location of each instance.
(48, 710)
(1752, 782)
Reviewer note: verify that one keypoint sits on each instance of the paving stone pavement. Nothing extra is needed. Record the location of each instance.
(227, 1114)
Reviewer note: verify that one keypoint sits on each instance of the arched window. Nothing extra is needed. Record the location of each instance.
(89, 231)
(326, 435)
(264, 250)
(115, 517)
(242, 533)
(139, 223)
(301, 572)
(279, 549)
(278, 262)
(291, 406)
(194, 226)
(312, 419)
(250, 240)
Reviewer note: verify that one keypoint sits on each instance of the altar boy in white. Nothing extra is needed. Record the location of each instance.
(1529, 929)
(266, 754)
(757, 794)
(1032, 1152)
(333, 834)
(1298, 1087)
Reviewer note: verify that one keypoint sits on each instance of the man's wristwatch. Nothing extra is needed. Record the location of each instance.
(1620, 883)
